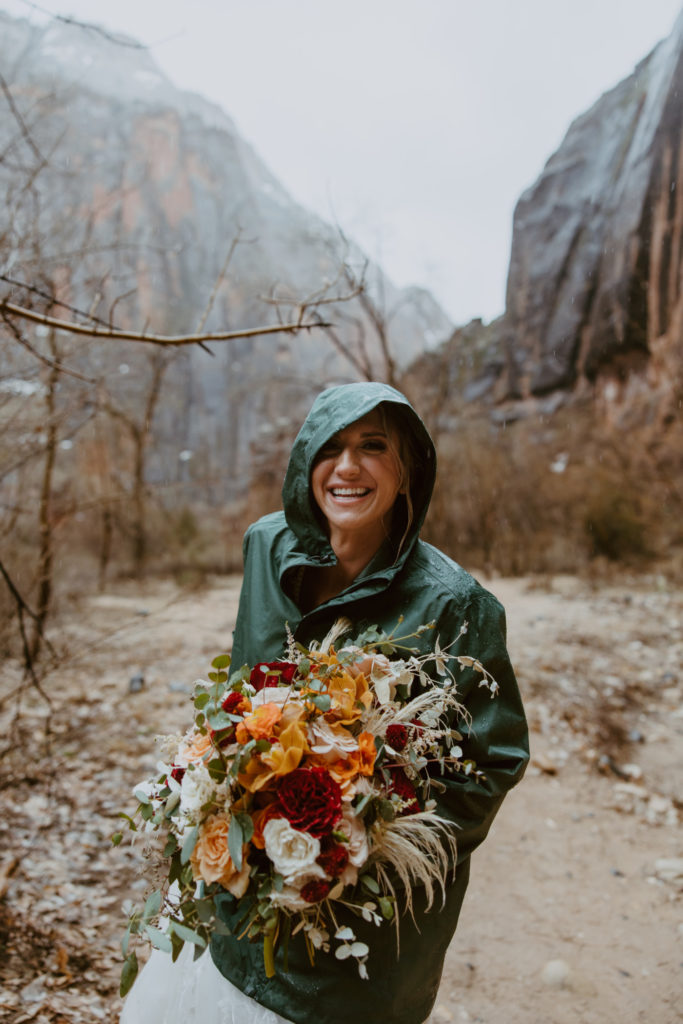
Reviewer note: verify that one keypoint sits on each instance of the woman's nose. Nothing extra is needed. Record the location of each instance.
(347, 462)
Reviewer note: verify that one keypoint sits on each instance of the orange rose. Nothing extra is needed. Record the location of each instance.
(198, 748)
(260, 724)
(211, 860)
(261, 819)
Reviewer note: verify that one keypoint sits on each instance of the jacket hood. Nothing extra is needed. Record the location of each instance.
(332, 411)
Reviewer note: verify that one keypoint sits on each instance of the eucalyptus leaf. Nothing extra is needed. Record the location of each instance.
(159, 939)
(235, 841)
(189, 844)
(221, 661)
(129, 973)
(152, 906)
(370, 883)
(322, 701)
(186, 934)
(246, 824)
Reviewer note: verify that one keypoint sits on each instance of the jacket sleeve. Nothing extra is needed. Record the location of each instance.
(495, 733)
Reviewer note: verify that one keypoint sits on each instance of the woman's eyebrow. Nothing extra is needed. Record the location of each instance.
(373, 433)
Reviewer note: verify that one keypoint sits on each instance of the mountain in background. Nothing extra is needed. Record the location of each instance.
(125, 196)
(594, 306)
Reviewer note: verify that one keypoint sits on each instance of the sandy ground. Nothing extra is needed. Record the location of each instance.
(573, 913)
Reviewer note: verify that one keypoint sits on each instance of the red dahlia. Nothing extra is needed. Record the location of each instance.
(270, 673)
(397, 736)
(333, 859)
(310, 800)
(315, 891)
(232, 701)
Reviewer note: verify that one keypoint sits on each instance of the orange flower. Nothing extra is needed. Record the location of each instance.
(198, 748)
(260, 724)
(261, 819)
(359, 762)
(285, 755)
(211, 860)
(365, 756)
(347, 693)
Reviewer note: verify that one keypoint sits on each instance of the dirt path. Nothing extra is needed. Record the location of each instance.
(573, 913)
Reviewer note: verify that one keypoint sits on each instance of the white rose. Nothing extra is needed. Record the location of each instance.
(293, 853)
(196, 789)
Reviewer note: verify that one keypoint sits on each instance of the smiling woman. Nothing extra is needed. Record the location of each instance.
(347, 545)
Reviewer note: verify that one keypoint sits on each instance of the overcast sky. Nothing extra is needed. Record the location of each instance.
(415, 124)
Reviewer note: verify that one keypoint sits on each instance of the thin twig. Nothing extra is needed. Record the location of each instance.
(155, 339)
(18, 336)
(22, 608)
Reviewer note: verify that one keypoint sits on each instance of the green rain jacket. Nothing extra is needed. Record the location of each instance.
(422, 585)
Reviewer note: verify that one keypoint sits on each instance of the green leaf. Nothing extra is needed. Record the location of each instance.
(322, 701)
(141, 796)
(117, 838)
(159, 939)
(126, 817)
(222, 661)
(218, 677)
(152, 906)
(386, 810)
(278, 882)
(219, 720)
(201, 700)
(370, 883)
(125, 941)
(189, 844)
(386, 907)
(171, 846)
(186, 934)
(362, 804)
(304, 667)
(146, 812)
(246, 824)
(129, 973)
(236, 840)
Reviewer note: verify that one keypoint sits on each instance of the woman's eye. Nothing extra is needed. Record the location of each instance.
(374, 446)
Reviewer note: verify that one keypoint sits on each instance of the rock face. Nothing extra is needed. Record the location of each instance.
(595, 285)
(127, 196)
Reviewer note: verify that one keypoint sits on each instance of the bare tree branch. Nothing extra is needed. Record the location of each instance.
(158, 339)
(22, 609)
(20, 122)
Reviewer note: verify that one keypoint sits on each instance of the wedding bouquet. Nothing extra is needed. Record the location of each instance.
(304, 786)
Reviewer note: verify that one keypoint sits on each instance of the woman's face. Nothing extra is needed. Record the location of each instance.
(356, 476)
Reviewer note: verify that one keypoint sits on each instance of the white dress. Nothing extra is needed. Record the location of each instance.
(190, 992)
